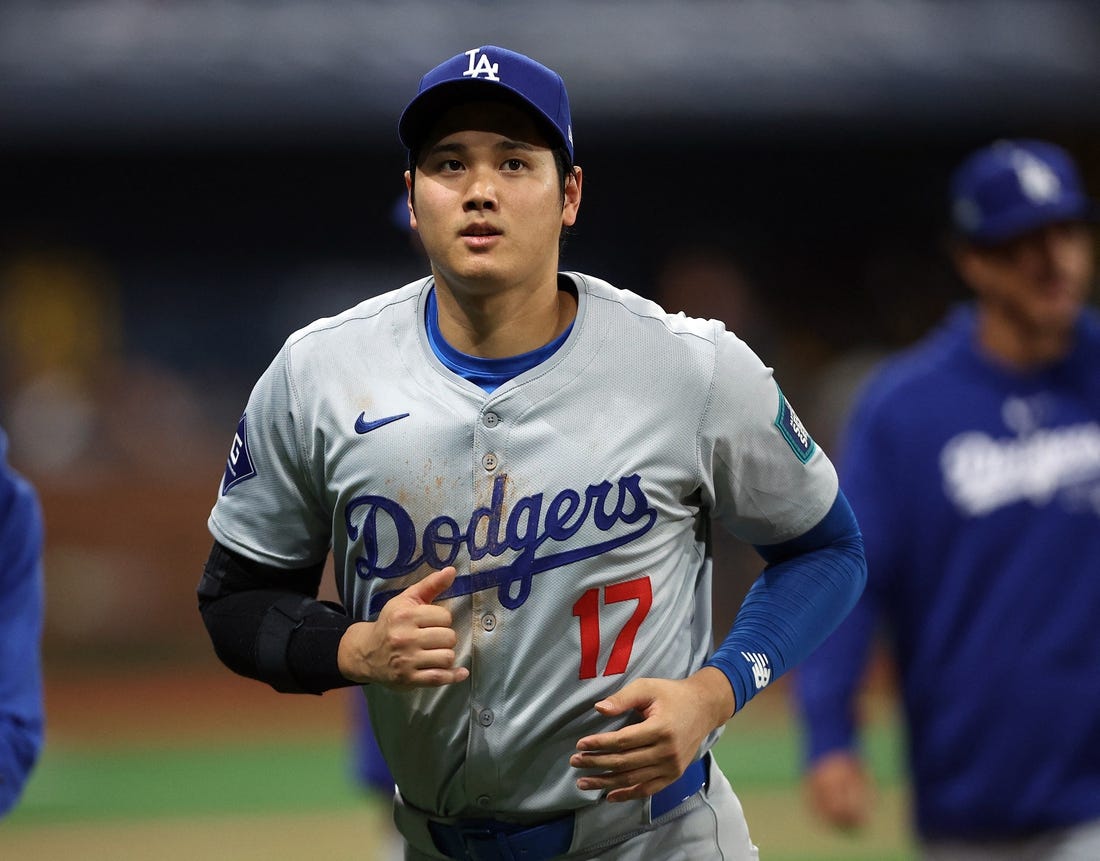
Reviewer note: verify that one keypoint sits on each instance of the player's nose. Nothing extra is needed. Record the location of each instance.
(478, 202)
(480, 191)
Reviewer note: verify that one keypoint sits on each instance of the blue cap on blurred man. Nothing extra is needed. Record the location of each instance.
(1012, 187)
(486, 73)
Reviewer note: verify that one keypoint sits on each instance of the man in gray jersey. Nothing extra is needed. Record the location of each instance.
(514, 469)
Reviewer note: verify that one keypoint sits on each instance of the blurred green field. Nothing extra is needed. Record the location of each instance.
(292, 796)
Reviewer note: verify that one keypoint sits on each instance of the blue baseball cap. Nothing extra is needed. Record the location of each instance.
(488, 73)
(1014, 186)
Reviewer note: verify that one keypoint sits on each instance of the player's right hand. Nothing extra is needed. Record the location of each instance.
(838, 790)
(410, 645)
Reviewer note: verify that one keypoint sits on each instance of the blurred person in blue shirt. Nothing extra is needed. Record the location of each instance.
(972, 461)
(372, 775)
(21, 614)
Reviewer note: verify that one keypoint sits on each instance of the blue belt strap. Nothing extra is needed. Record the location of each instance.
(491, 840)
(681, 789)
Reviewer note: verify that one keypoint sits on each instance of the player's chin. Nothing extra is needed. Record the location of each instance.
(1056, 314)
(482, 272)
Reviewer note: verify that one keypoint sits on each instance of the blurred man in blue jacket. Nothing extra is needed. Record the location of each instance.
(972, 461)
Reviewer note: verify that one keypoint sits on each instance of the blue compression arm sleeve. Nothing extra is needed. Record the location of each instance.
(809, 585)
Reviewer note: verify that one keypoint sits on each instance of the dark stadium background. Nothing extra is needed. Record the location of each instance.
(213, 176)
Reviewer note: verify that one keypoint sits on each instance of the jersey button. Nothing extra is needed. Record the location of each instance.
(485, 717)
(490, 420)
(488, 621)
(489, 462)
(484, 801)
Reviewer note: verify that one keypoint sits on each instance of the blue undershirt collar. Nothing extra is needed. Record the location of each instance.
(489, 374)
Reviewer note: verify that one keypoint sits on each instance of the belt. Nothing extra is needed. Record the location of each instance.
(492, 840)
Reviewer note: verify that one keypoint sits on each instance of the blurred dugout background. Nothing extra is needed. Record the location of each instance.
(183, 184)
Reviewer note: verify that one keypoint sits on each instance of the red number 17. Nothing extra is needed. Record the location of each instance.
(587, 609)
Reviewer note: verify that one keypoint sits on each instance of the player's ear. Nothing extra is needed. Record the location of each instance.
(973, 267)
(412, 211)
(572, 197)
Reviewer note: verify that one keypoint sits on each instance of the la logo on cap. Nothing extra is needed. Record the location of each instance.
(484, 66)
(1036, 178)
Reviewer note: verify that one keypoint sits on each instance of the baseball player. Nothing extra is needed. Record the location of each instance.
(21, 609)
(973, 462)
(513, 468)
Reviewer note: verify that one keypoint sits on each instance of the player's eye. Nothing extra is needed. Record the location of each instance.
(450, 165)
(513, 164)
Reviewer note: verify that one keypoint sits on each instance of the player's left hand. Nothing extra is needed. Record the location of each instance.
(643, 758)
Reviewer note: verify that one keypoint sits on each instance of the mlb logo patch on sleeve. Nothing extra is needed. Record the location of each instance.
(238, 466)
(794, 432)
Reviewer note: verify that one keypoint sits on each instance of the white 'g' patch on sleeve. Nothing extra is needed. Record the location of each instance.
(238, 466)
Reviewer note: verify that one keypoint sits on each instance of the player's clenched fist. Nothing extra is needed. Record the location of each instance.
(412, 643)
(839, 790)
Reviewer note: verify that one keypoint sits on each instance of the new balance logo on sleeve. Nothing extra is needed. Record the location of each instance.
(761, 671)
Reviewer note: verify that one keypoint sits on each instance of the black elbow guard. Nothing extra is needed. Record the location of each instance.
(277, 627)
(265, 624)
(297, 645)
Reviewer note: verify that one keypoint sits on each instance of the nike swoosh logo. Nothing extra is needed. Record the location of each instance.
(363, 426)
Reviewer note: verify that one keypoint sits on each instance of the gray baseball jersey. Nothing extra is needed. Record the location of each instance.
(571, 500)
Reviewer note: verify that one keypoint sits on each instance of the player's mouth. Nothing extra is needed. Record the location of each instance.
(480, 235)
(1055, 285)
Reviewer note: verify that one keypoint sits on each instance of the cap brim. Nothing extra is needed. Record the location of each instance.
(423, 111)
(1016, 223)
